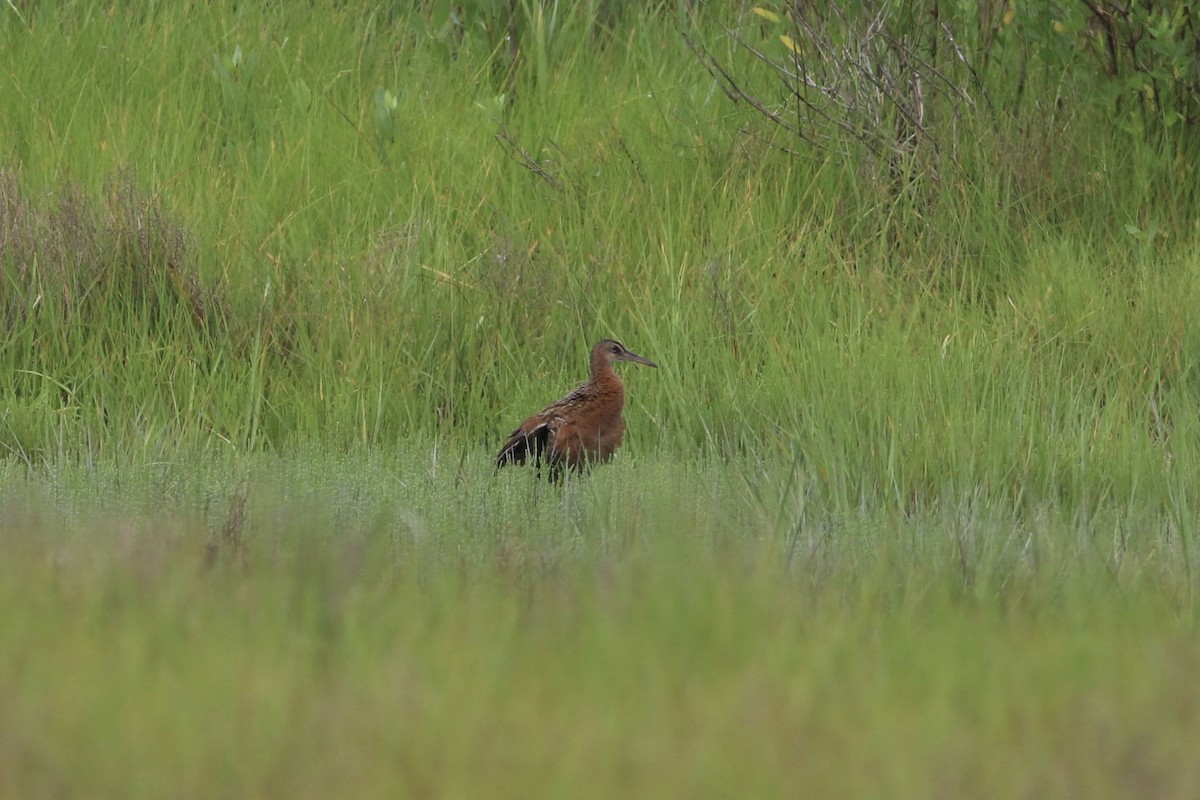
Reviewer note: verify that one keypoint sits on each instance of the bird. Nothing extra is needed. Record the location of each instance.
(582, 428)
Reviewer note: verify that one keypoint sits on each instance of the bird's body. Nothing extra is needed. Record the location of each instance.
(582, 428)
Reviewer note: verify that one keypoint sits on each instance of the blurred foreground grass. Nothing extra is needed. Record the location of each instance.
(316, 626)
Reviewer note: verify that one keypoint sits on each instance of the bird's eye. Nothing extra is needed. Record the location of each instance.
(615, 348)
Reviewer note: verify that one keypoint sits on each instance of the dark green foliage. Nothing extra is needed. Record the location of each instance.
(927, 99)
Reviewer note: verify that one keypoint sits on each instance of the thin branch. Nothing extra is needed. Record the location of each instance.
(530, 163)
(730, 85)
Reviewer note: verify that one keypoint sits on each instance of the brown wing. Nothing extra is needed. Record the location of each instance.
(537, 434)
(532, 439)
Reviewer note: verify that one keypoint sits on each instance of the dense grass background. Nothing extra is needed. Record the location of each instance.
(907, 510)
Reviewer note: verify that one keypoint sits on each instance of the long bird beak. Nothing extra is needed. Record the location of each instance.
(634, 357)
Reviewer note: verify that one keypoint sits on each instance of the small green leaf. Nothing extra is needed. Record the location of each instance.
(301, 94)
(385, 107)
(769, 16)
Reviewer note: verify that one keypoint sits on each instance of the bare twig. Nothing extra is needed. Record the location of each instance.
(506, 140)
(861, 74)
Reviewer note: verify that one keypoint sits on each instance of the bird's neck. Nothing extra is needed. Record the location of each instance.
(605, 379)
(602, 371)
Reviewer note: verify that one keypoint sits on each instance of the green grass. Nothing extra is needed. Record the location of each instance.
(907, 511)
(363, 626)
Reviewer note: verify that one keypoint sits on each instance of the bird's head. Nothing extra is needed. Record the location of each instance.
(607, 351)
